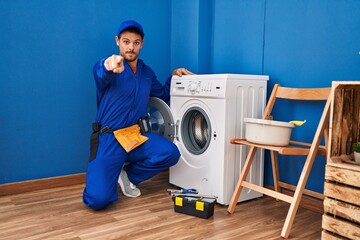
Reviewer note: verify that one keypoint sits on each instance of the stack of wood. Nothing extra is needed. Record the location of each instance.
(342, 202)
(341, 217)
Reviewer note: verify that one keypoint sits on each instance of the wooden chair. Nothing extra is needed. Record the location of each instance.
(310, 150)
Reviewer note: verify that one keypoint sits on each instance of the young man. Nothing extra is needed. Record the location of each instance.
(124, 84)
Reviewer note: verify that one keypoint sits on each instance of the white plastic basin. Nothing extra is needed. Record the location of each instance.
(268, 132)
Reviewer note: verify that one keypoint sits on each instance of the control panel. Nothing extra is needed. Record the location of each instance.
(198, 88)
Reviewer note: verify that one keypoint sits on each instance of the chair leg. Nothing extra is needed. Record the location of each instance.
(243, 176)
(298, 194)
(275, 170)
(305, 172)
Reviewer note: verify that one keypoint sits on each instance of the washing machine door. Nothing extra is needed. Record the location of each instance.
(161, 120)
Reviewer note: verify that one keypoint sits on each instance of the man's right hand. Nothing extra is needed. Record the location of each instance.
(114, 63)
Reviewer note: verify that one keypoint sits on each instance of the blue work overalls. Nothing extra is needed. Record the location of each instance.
(121, 100)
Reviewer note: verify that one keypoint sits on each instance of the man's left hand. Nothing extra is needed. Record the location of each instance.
(182, 71)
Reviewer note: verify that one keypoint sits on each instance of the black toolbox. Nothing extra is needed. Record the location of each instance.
(194, 206)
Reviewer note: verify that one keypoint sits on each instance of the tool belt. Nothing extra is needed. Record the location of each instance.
(129, 137)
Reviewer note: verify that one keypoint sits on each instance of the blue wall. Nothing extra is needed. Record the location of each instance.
(48, 48)
(298, 44)
(310, 44)
(47, 100)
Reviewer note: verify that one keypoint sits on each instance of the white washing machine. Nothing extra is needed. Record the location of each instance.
(206, 111)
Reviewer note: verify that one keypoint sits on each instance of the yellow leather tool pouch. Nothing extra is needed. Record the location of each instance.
(130, 137)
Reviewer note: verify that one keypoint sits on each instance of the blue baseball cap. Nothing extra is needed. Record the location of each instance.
(130, 24)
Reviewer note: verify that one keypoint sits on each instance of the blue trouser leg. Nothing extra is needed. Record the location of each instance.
(103, 172)
(152, 157)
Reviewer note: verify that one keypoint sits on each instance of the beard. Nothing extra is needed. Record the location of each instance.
(130, 56)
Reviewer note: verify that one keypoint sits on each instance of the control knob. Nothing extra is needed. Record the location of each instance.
(193, 87)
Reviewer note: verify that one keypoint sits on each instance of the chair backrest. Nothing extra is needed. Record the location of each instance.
(303, 93)
(308, 94)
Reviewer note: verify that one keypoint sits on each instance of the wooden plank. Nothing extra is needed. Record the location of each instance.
(306, 191)
(40, 184)
(348, 159)
(341, 175)
(340, 227)
(286, 150)
(353, 167)
(307, 202)
(343, 193)
(268, 192)
(345, 117)
(346, 84)
(342, 209)
(303, 93)
(346, 124)
(335, 123)
(325, 235)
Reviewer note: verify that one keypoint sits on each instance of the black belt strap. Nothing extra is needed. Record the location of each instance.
(94, 141)
(106, 130)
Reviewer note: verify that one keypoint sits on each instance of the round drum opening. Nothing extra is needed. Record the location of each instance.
(196, 130)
